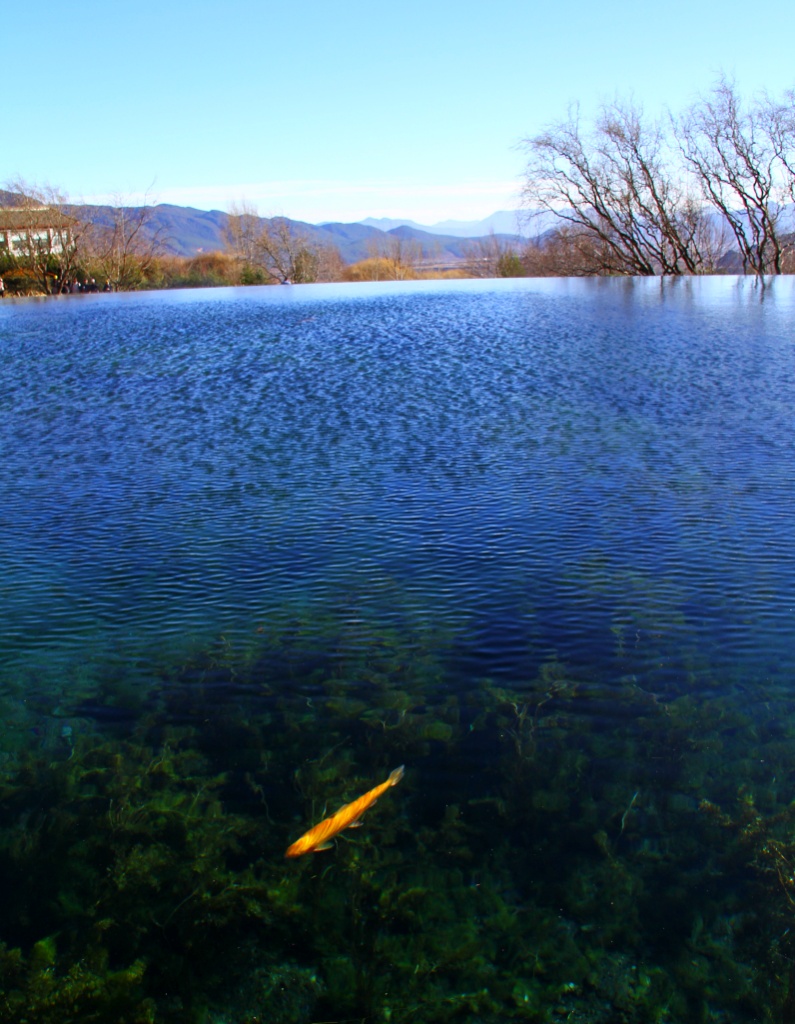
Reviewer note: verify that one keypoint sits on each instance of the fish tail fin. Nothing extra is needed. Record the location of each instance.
(397, 775)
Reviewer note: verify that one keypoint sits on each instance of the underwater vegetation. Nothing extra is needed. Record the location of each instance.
(532, 543)
(536, 866)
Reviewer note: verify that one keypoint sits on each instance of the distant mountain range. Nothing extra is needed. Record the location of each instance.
(504, 222)
(185, 231)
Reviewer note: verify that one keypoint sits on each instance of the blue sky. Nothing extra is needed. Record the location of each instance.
(339, 111)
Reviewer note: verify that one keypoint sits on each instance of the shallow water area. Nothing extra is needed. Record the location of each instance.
(534, 539)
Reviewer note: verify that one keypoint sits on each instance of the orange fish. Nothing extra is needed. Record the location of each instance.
(319, 837)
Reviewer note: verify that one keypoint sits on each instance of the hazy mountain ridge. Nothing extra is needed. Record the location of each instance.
(503, 222)
(13, 198)
(186, 231)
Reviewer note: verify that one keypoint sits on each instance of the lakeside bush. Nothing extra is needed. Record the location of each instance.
(377, 268)
(206, 270)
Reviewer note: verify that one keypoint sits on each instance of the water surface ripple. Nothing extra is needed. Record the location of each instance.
(599, 472)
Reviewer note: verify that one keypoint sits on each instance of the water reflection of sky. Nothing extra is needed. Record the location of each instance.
(599, 468)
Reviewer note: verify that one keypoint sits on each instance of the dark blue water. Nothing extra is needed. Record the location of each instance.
(495, 530)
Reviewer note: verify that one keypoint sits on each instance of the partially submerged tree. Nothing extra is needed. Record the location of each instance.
(614, 189)
(646, 197)
(743, 157)
(779, 122)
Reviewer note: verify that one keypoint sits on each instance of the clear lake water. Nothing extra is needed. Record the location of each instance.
(533, 539)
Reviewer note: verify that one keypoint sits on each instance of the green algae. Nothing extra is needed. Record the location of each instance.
(530, 866)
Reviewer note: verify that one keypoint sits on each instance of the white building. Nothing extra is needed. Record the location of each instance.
(42, 230)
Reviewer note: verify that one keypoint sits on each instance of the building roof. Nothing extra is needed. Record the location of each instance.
(15, 218)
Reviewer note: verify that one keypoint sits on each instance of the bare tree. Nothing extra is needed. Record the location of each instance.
(563, 252)
(491, 256)
(330, 264)
(242, 227)
(123, 244)
(779, 121)
(278, 248)
(481, 256)
(744, 160)
(615, 190)
(287, 254)
(398, 256)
